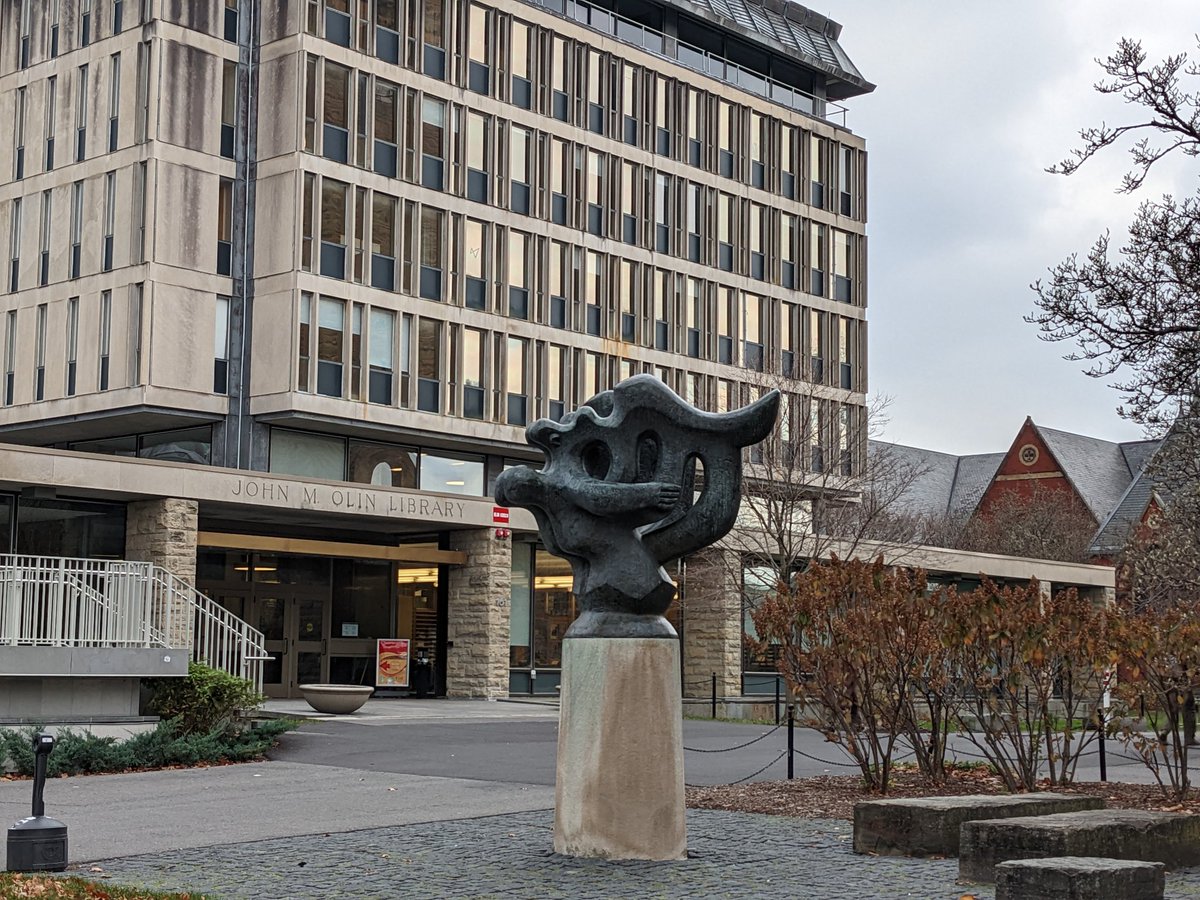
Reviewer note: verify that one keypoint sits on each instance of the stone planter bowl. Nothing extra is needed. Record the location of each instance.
(338, 699)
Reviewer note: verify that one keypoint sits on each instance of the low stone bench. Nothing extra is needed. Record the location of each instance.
(929, 826)
(1170, 838)
(1080, 878)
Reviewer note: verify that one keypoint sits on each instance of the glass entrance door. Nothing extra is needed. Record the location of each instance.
(293, 623)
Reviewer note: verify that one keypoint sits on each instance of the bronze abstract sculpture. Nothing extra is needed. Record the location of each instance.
(616, 496)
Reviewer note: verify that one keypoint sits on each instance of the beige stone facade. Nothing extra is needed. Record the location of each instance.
(480, 590)
(712, 625)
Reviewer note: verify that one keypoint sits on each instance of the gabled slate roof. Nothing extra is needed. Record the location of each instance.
(1114, 531)
(1098, 469)
(946, 484)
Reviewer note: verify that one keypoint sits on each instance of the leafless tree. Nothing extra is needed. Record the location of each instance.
(1134, 311)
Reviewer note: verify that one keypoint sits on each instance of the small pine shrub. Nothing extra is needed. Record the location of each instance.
(81, 753)
(207, 699)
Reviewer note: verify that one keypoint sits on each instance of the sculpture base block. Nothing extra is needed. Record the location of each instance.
(619, 790)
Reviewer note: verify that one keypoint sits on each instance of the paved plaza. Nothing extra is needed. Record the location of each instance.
(455, 800)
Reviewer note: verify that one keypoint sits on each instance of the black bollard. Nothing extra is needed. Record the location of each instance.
(714, 695)
(791, 740)
(38, 843)
(1103, 758)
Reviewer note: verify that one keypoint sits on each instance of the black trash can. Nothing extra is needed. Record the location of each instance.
(422, 674)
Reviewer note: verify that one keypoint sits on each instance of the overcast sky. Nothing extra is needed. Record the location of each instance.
(973, 101)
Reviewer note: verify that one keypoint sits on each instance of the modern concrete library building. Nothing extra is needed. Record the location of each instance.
(287, 280)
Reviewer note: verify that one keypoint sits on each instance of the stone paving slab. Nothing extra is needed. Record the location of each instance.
(733, 855)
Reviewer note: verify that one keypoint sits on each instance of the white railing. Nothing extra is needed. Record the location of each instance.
(51, 601)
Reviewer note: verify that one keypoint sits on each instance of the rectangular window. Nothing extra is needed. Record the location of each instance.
(383, 242)
(520, 148)
(433, 144)
(229, 78)
(478, 155)
(55, 13)
(387, 30)
(356, 350)
(85, 22)
(306, 222)
(434, 33)
(479, 49)
(560, 79)
(10, 357)
(221, 347)
(596, 113)
(473, 369)
(76, 226)
(597, 182)
(81, 114)
(789, 233)
(225, 227)
(14, 246)
(19, 135)
(517, 352)
(475, 259)
(334, 202)
(758, 149)
(521, 92)
(72, 343)
(305, 348)
(381, 355)
(432, 254)
(726, 138)
(361, 211)
(335, 132)
(136, 304)
(142, 115)
(843, 260)
(518, 274)
(105, 338)
(726, 222)
(39, 347)
(846, 181)
(25, 27)
(817, 259)
(51, 116)
(816, 170)
(331, 326)
(138, 240)
(310, 105)
(789, 146)
(387, 122)
(558, 380)
(44, 243)
(752, 332)
(429, 365)
(231, 21)
(118, 16)
(816, 346)
(114, 101)
(846, 353)
(110, 212)
(337, 22)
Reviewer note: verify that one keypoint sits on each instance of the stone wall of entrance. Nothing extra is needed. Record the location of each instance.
(479, 613)
(163, 532)
(712, 625)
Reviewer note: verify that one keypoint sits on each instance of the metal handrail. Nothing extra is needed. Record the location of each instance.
(695, 58)
(56, 601)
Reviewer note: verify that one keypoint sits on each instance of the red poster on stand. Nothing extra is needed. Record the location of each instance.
(391, 663)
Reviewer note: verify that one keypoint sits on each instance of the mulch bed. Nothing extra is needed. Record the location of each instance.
(834, 796)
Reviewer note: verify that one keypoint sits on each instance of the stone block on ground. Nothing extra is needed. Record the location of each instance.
(1170, 838)
(1079, 878)
(929, 826)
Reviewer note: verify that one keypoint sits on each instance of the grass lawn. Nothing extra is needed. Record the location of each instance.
(13, 885)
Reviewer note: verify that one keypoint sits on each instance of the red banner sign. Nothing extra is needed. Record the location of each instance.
(391, 662)
(499, 515)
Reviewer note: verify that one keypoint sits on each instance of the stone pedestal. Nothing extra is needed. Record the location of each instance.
(619, 790)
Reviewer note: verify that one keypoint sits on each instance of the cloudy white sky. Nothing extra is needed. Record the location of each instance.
(973, 101)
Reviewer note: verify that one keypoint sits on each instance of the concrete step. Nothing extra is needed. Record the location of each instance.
(929, 826)
(1169, 838)
(1080, 878)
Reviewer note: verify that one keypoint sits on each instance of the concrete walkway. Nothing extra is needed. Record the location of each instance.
(389, 712)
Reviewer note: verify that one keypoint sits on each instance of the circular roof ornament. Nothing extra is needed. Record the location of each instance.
(1029, 454)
